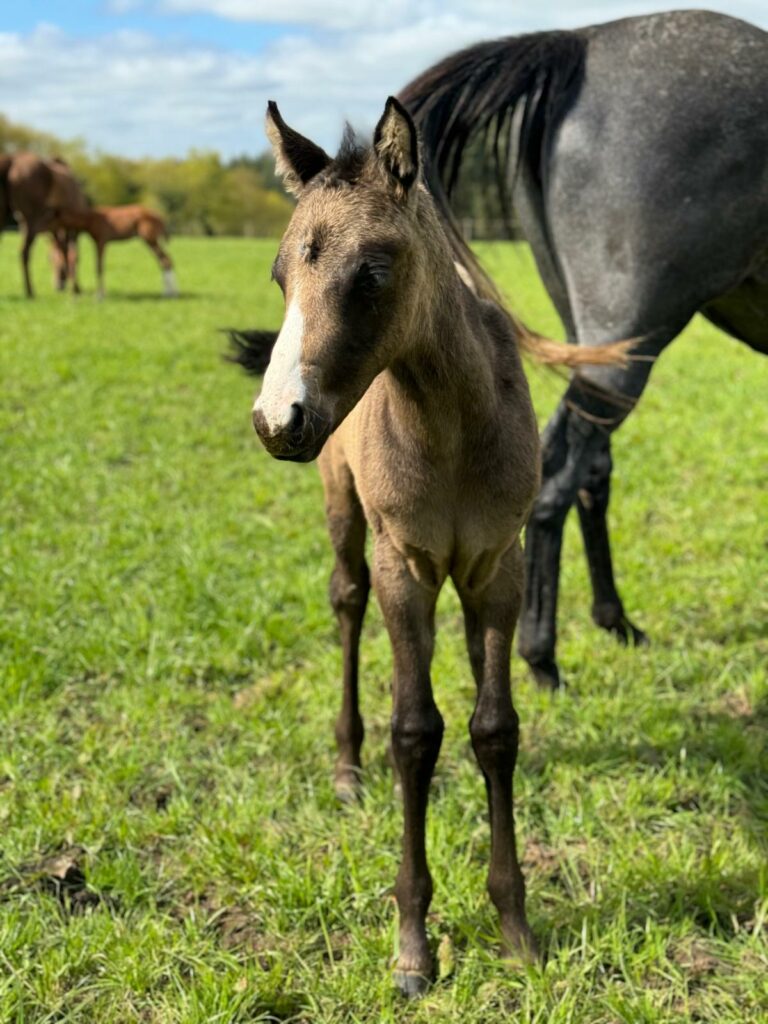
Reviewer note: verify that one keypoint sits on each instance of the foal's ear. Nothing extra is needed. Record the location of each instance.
(297, 159)
(396, 145)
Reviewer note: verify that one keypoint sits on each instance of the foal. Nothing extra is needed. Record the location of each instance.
(409, 390)
(117, 224)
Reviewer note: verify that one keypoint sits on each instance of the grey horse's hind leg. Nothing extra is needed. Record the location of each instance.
(592, 505)
(594, 405)
(569, 444)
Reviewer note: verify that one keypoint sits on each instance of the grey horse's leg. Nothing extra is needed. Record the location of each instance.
(569, 444)
(595, 404)
(592, 506)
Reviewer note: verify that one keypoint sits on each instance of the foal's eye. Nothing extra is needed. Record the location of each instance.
(371, 275)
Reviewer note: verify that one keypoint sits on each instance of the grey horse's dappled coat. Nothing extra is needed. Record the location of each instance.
(635, 155)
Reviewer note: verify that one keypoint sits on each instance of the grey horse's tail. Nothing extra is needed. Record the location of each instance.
(510, 94)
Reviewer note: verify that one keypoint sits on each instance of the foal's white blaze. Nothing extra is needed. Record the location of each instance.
(283, 384)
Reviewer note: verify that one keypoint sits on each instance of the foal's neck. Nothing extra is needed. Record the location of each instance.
(443, 384)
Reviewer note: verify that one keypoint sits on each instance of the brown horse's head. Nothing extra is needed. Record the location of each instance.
(351, 267)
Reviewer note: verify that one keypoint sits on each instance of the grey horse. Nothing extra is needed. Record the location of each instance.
(635, 155)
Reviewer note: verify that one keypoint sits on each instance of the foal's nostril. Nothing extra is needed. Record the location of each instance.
(296, 424)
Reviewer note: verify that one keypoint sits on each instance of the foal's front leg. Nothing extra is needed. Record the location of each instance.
(408, 607)
(349, 591)
(490, 617)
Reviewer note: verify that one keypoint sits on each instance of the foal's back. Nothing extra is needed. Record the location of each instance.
(132, 220)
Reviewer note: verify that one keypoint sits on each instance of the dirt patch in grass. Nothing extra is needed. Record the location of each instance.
(697, 959)
(61, 874)
(236, 927)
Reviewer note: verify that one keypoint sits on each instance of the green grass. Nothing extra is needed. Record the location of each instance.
(169, 679)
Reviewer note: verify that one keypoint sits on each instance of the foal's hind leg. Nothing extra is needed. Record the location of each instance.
(408, 607)
(592, 505)
(490, 617)
(72, 262)
(170, 288)
(349, 595)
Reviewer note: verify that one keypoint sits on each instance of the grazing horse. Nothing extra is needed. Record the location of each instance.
(635, 155)
(409, 390)
(32, 190)
(117, 224)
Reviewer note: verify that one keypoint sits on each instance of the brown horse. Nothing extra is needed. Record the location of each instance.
(117, 224)
(410, 389)
(33, 190)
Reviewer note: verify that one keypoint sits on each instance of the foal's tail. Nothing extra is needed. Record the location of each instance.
(511, 94)
(250, 349)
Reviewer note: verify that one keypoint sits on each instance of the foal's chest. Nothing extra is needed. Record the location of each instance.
(446, 508)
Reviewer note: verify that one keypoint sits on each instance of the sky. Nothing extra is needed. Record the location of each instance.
(161, 77)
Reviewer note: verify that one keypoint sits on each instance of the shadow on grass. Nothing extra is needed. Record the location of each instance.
(111, 296)
(117, 296)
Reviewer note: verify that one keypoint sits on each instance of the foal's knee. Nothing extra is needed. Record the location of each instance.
(416, 738)
(349, 589)
(495, 735)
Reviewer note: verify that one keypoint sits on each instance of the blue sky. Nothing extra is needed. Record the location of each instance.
(86, 19)
(160, 77)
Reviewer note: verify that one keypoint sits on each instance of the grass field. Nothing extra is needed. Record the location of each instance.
(170, 846)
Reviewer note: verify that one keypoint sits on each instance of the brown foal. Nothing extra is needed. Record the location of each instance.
(117, 224)
(409, 390)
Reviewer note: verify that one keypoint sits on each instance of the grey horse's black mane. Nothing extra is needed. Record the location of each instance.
(477, 94)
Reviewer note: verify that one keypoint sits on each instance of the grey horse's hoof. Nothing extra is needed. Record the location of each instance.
(547, 674)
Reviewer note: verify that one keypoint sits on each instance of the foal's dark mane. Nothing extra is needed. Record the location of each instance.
(478, 93)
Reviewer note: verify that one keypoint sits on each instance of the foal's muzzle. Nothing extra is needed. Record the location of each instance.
(299, 438)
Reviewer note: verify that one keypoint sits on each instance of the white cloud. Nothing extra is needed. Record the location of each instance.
(131, 93)
(375, 14)
(332, 14)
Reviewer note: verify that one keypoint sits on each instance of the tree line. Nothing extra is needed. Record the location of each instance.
(199, 194)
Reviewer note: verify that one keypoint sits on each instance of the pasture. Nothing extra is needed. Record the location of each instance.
(169, 675)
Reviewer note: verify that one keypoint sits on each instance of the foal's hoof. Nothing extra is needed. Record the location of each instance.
(411, 984)
(348, 786)
(546, 673)
(519, 947)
